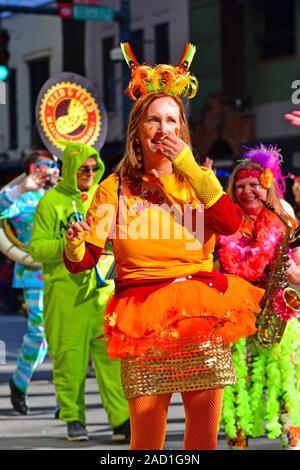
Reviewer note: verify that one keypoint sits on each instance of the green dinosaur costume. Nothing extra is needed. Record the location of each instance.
(74, 306)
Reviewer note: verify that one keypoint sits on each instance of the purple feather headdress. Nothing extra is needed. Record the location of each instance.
(268, 157)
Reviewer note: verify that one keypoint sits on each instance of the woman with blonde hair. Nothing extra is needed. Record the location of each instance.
(266, 397)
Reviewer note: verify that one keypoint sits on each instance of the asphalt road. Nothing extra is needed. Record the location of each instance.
(40, 431)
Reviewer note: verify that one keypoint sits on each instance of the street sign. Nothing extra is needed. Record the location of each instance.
(87, 2)
(65, 11)
(93, 13)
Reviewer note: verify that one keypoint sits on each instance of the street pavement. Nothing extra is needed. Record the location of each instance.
(39, 430)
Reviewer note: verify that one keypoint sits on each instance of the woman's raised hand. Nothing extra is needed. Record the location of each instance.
(172, 146)
(208, 163)
(292, 271)
(76, 230)
(294, 118)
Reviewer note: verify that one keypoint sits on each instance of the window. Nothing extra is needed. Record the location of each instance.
(13, 112)
(38, 75)
(277, 36)
(108, 74)
(137, 44)
(162, 53)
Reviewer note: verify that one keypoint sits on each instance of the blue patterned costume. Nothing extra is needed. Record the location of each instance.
(20, 210)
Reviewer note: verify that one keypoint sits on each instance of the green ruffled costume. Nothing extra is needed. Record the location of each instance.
(266, 398)
(267, 381)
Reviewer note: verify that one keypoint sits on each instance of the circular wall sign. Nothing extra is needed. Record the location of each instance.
(69, 108)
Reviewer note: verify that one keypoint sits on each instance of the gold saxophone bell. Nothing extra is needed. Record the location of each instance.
(270, 327)
(291, 298)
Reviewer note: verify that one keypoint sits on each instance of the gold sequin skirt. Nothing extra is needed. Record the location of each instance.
(197, 366)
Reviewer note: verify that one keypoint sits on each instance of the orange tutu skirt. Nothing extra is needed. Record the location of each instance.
(146, 318)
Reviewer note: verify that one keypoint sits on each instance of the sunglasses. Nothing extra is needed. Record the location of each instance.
(88, 169)
(49, 164)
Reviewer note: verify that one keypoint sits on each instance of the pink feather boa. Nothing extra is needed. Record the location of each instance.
(250, 250)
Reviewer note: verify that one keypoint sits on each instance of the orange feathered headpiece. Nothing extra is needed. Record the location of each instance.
(173, 79)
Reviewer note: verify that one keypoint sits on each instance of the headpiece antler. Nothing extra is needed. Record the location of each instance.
(173, 79)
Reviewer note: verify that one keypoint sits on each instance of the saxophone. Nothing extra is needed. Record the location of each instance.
(270, 327)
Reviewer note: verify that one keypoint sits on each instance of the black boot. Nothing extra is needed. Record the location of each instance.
(121, 434)
(56, 412)
(18, 398)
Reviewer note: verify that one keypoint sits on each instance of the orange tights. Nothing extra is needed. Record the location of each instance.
(148, 418)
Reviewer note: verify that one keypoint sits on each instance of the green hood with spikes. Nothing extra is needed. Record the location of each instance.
(55, 211)
(74, 155)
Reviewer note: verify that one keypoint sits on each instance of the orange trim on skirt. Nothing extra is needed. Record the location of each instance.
(146, 318)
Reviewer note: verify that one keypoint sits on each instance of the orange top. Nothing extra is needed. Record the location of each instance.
(151, 223)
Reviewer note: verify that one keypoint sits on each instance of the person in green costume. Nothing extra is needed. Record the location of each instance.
(74, 309)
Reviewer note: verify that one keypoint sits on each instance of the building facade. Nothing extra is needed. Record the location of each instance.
(247, 63)
(35, 54)
(159, 30)
(248, 67)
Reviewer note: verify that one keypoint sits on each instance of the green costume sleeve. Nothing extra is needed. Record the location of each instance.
(43, 248)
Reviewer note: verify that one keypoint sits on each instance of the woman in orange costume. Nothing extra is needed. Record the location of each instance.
(172, 316)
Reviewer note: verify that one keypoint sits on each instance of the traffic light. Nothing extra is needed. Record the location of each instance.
(4, 54)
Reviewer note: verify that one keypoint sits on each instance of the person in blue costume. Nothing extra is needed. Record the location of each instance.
(18, 204)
